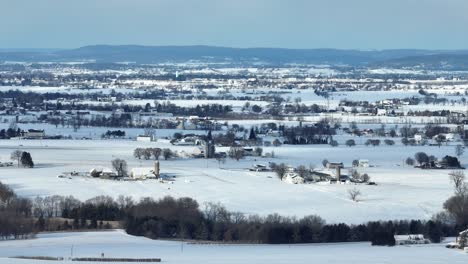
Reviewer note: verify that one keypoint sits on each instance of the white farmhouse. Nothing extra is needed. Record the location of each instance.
(144, 138)
(411, 239)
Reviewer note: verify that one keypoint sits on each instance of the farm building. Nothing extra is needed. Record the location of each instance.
(104, 173)
(410, 239)
(6, 164)
(145, 138)
(259, 167)
(293, 178)
(142, 173)
(145, 173)
(363, 163)
(462, 239)
(34, 134)
(334, 165)
(187, 141)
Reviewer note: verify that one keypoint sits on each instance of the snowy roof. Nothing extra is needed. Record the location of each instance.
(143, 170)
(103, 170)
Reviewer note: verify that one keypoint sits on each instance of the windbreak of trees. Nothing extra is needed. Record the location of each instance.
(319, 133)
(183, 218)
(10, 132)
(113, 134)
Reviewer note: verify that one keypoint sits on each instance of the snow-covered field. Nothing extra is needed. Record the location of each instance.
(118, 244)
(402, 192)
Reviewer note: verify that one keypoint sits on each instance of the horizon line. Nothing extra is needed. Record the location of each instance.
(50, 49)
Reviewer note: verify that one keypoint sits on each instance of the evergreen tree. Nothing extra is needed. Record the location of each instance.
(209, 137)
(433, 232)
(252, 135)
(26, 160)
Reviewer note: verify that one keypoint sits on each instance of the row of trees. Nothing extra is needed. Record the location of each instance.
(183, 218)
(429, 161)
(370, 142)
(10, 133)
(147, 153)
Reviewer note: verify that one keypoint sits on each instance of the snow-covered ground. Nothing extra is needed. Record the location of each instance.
(118, 244)
(402, 192)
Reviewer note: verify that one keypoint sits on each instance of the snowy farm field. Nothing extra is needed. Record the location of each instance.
(117, 244)
(402, 192)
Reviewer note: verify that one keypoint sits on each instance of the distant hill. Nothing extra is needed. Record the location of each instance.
(158, 54)
(452, 62)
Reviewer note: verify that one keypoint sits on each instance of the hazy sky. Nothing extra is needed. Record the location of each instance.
(347, 24)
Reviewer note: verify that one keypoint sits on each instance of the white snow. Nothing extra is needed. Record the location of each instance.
(118, 244)
(402, 192)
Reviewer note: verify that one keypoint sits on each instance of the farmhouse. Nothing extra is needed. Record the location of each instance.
(143, 138)
(103, 173)
(34, 134)
(411, 239)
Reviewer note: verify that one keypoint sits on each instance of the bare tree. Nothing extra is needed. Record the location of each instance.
(350, 142)
(16, 155)
(221, 160)
(258, 151)
(365, 177)
(457, 205)
(167, 153)
(354, 194)
(458, 180)
(421, 157)
(302, 171)
(279, 169)
(236, 153)
(120, 166)
(156, 153)
(147, 153)
(276, 142)
(138, 153)
(325, 162)
(409, 161)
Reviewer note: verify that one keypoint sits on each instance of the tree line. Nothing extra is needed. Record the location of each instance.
(184, 218)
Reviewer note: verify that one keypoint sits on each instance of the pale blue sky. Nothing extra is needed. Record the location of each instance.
(345, 24)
